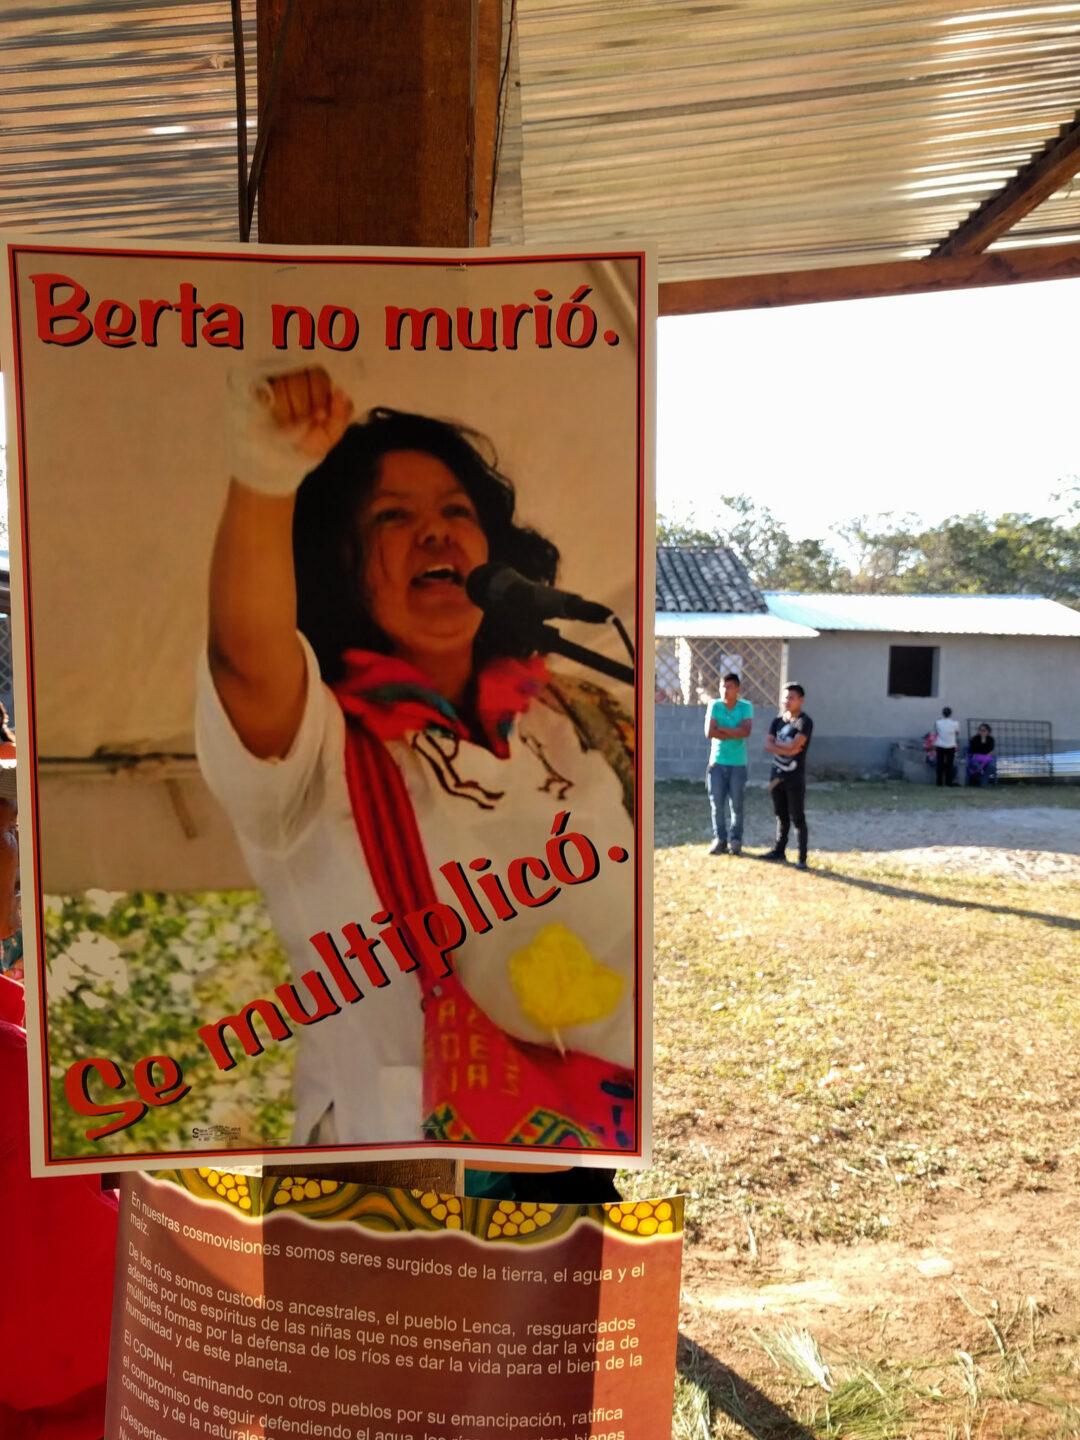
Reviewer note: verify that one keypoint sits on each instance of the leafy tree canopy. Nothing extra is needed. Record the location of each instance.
(1012, 554)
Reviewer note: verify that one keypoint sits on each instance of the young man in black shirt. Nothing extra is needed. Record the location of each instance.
(787, 742)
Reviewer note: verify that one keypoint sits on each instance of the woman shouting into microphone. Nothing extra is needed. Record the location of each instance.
(369, 729)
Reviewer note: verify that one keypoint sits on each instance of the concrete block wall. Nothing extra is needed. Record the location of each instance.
(681, 750)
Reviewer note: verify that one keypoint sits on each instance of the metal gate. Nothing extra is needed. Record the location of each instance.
(1023, 749)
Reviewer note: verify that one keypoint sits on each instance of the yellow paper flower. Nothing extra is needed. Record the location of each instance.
(558, 982)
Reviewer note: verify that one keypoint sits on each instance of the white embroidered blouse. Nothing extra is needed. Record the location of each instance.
(296, 828)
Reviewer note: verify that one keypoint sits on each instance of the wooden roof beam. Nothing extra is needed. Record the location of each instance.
(864, 282)
(1046, 172)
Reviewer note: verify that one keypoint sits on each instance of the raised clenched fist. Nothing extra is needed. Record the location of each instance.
(283, 424)
(307, 407)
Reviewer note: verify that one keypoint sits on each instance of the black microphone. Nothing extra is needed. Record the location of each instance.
(495, 587)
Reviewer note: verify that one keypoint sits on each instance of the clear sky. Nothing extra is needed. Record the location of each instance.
(935, 404)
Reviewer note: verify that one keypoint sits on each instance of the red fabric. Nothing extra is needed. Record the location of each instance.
(391, 698)
(58, 1261)
(479, 1082)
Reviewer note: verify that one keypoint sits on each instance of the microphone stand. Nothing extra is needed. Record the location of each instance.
(550, 642)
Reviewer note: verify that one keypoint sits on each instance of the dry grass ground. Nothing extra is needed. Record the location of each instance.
(868, 1081)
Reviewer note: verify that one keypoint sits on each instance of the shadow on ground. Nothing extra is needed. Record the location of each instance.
(728, 1393)
(900, 892)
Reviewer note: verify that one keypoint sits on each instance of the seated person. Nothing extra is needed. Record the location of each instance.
(981, 763)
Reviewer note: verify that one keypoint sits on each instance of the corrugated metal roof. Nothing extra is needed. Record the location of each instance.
(119, 116)
(697, 578)
(726, 626)
(742, 135)
(928, 614)
(766, 135)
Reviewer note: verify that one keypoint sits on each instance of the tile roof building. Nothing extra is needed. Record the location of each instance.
(710, 618)
(692, 579)
(877, 668)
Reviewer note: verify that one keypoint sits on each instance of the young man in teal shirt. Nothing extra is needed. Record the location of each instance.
(728, 722)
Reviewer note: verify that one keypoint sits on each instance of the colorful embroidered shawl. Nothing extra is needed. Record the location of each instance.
(480, 1083)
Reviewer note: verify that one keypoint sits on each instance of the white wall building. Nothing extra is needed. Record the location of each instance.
(882, 666)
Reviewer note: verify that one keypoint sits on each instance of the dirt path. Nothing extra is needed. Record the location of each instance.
(1021, 843)
(961, 1250)
(981, 1308)
(1042, 828)
(1037, 843)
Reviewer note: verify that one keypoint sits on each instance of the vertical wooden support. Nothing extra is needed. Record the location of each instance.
(490, 76)
(383, 133)
(373, 138)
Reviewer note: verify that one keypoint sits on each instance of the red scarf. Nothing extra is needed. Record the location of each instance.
(480, 1084)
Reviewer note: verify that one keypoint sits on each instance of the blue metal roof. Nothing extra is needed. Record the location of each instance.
(728, 625)
(927, 614)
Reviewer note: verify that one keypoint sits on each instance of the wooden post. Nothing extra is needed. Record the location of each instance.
(382, 133)
(374, 137)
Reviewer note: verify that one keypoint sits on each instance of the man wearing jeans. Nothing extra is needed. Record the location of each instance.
(787, 742)
(727, 724)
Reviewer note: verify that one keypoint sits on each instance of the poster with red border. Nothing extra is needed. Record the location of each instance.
(332, 626)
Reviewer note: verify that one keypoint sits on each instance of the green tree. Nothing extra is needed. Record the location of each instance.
(774, 559)
(974, 554)
(1012, 554)
(881, 550)
(686, 531)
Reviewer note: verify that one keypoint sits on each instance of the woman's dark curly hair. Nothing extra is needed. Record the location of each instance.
(326, 538)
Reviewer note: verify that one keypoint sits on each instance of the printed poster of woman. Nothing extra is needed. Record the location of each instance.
(442, 815)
